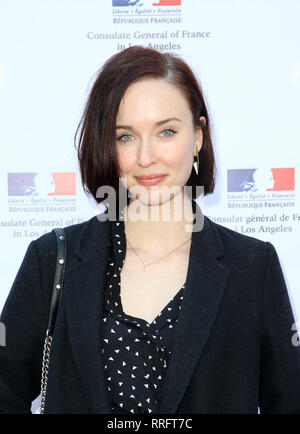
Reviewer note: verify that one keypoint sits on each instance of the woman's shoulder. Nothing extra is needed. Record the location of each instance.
(87, 232)
(249, 256)
(71, 231)
(233, 234)
(236, 244)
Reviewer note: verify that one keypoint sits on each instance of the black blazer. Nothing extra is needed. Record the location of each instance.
(233, 350)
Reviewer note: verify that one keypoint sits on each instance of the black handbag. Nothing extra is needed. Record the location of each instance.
(57, 289)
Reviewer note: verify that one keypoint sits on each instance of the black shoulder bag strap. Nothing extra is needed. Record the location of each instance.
(57, 289)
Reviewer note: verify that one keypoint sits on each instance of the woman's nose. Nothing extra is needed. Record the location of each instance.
(146, 153)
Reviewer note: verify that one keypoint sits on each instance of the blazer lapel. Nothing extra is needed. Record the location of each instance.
(84, 289)
(205, 285)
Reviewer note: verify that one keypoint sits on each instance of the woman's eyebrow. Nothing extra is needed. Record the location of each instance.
(129, 127)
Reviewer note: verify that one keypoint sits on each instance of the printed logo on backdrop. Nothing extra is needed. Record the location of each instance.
(152, 12)
(261, 180)
(39, 200)
(262, 200)
(41, 184)
(149, 16)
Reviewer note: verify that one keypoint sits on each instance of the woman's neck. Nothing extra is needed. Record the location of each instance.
(158, 228)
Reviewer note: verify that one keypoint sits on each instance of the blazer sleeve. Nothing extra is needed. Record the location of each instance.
(280, 352)
(25, 327)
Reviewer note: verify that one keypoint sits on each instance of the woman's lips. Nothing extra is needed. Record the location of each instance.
(150, 181)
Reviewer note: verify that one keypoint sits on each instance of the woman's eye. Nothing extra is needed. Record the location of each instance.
(121, 137)
(168, 130)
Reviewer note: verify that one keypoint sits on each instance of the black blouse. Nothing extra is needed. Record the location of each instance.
(136, 353)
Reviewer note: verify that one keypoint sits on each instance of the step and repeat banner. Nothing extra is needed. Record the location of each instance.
(246, 56)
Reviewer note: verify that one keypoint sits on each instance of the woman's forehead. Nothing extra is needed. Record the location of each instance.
(153, 99)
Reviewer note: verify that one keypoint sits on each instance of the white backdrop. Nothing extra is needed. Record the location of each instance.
(246, 56)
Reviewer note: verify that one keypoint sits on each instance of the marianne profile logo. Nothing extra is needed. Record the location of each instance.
(261, 179)
(41, 184)
(261, 187)
(41, 191)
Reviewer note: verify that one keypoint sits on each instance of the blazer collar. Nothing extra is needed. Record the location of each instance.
(85, 283)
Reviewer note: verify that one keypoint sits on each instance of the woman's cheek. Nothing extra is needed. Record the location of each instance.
(126, 160)
(177, 153)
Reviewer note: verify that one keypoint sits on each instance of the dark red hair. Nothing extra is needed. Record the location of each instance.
(97, 140)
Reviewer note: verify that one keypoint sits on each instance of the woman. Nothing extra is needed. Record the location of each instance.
(153, 317)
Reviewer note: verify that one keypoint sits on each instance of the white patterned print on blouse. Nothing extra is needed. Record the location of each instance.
(136, 353)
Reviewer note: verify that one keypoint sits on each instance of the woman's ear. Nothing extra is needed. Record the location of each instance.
(202, 120)
(199, 133)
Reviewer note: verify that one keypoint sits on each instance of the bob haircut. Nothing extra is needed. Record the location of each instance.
(97, 152)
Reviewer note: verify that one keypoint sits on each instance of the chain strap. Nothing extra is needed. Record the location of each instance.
(57, 288)
(45, 370)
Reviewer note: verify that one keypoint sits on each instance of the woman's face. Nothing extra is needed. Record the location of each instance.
(147, 144)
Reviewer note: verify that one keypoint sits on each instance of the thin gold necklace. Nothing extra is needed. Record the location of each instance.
(149, 263)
